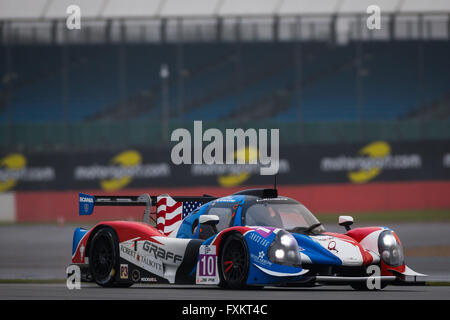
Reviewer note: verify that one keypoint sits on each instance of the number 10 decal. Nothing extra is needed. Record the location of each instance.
(207, 266)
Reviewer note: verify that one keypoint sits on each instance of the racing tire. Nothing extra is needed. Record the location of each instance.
(234, 263)
(104, 258)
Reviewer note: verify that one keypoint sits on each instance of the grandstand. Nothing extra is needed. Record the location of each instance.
(311, 68)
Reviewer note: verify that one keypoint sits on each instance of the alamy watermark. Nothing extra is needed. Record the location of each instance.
(373, 22)
(73, 21)
(213, 152)
(374, 280)
(73, 277)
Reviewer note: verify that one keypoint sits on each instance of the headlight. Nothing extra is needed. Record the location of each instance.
(390, 249)
(284, 250)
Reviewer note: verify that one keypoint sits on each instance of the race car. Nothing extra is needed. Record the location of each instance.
(252, 238)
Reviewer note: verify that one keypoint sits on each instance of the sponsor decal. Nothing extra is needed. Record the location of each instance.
(346, 250)
(149, 280)
(161, 253)
(154, 265)
(86, 204)
(260, 258)
(81, 253)
(124, 271)
(207, 266)
(272, 199)
(123, 168)
(258, 239)
(128, 251)
(13, 168)
(86, 199)
(225, 199)
(372, 159)
(135, 275)
(332, 246)
(322, 238)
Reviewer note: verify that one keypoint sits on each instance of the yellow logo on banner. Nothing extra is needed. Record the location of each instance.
(126, 159)
(235, 179)
(378, 149)
(12, 162)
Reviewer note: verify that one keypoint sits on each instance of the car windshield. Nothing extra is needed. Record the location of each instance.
(289, 215)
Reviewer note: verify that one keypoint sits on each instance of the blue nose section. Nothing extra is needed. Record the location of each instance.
(77, 236)
(316, 253)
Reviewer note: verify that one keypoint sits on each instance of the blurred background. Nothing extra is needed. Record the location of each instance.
(364, 115)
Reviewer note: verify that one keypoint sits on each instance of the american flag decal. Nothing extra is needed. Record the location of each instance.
(170, 213)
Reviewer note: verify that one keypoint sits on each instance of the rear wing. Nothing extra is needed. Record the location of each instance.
(88, 202)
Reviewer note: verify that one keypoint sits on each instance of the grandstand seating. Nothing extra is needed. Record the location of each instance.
(226, 81)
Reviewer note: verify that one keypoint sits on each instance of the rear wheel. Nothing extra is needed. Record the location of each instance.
(104, 258)
(234, 262)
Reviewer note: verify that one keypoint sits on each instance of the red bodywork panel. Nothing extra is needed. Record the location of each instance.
(360, 233)
(125, 230)
(218, 239)
(367, 257)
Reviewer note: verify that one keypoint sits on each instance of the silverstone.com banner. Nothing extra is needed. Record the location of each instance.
(298, 165)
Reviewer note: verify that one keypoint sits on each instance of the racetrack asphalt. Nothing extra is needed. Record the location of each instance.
(174, 292)
(39, 252)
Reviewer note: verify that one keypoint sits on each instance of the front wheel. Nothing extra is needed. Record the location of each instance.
(234, 263)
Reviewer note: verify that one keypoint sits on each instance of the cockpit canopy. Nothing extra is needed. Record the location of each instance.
(282, 213)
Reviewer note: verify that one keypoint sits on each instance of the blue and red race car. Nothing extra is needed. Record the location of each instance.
(251, 238)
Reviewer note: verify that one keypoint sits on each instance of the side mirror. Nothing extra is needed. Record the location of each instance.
(346, 221)
(207, 226)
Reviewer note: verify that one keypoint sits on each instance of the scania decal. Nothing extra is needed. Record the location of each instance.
(161, 253)
(86, 204)
(85, 199)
